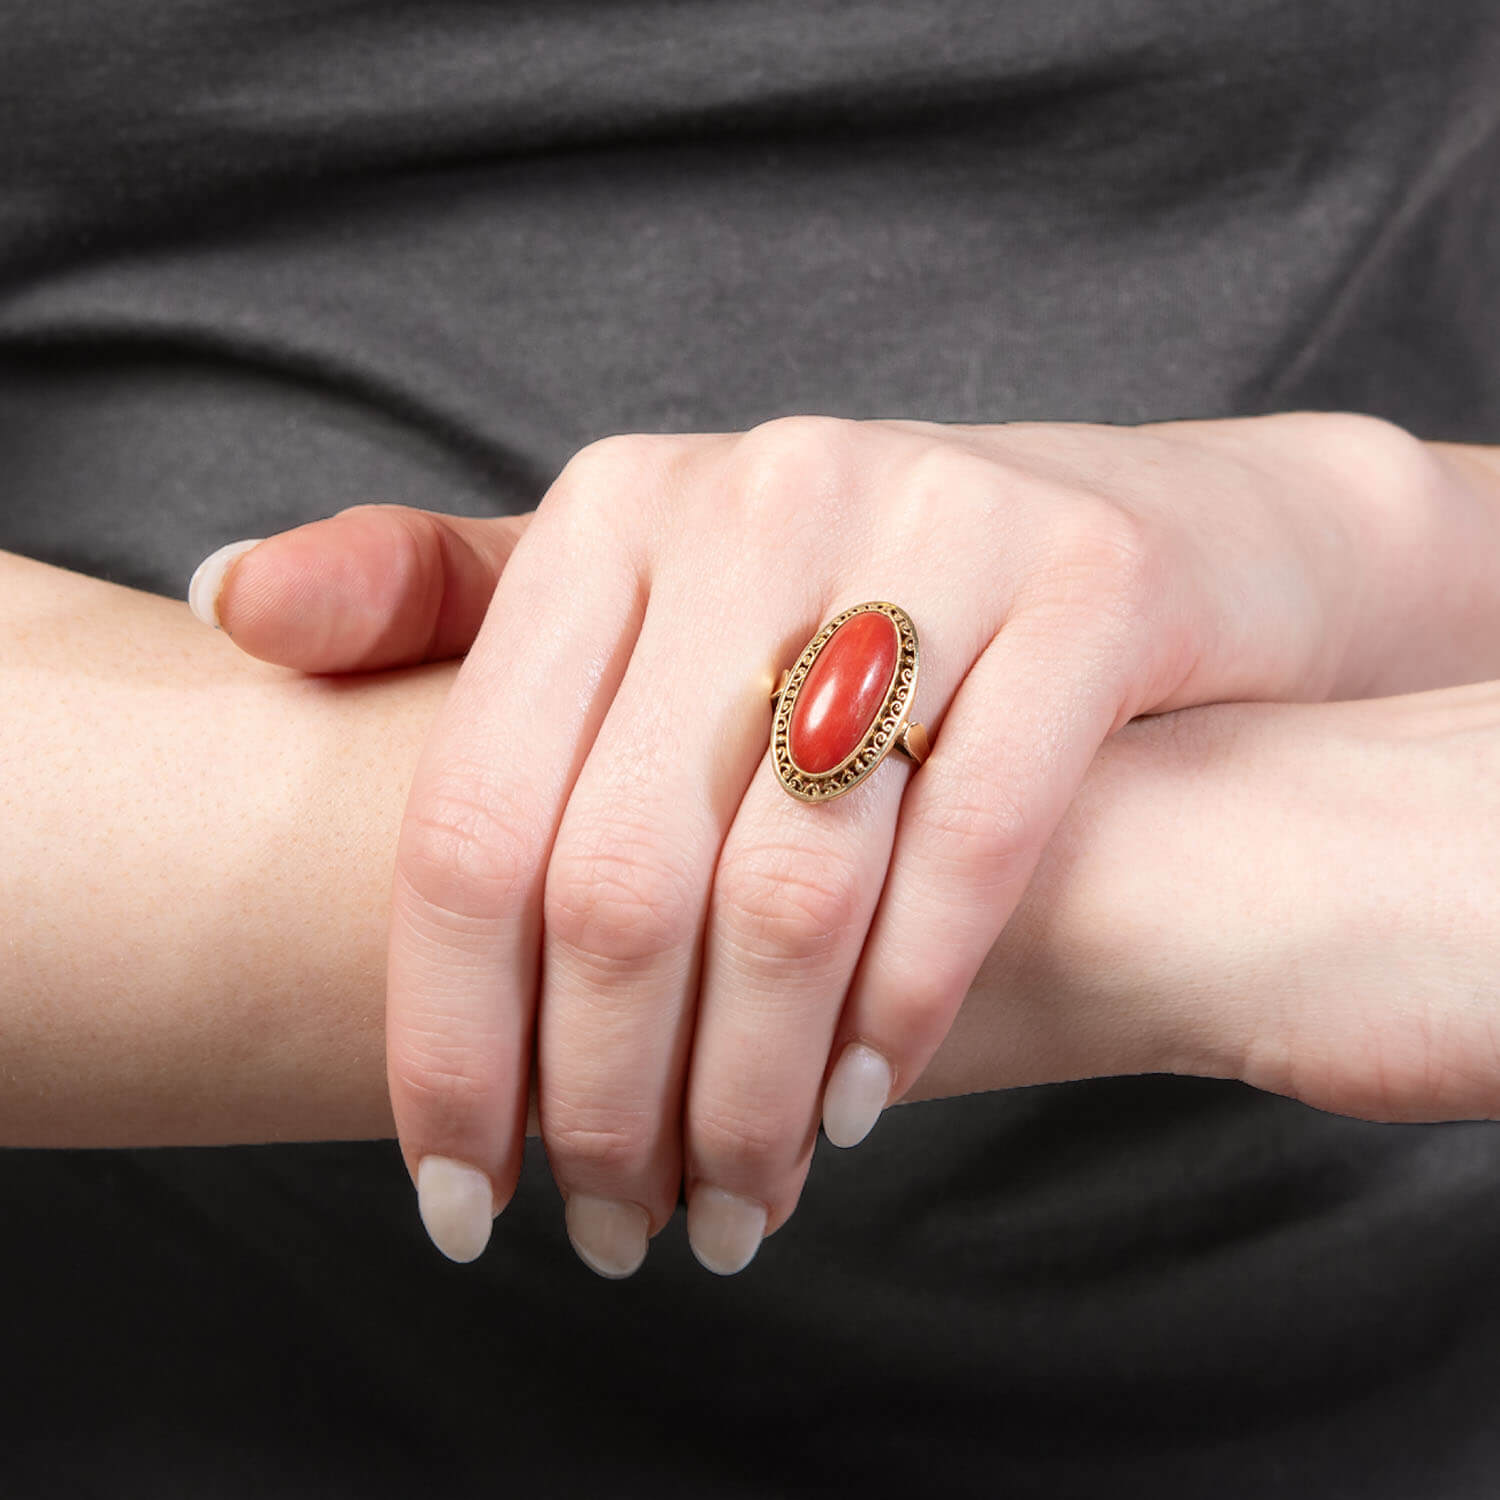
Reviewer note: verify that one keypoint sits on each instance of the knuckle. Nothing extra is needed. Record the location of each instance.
(602, 481)
(595, 1149)
(939, 485)
(412, 567)
(381, 513)
(453, 1078)
(985, 844)
(782, 464)
(740, 1142)
(464, 849)
(798, 435)
(609, 461)
(1134, 554)
(915, 1025)
(1112, 557)
(786, 904)
(410, 572)
(1096, 536)
(616, 902)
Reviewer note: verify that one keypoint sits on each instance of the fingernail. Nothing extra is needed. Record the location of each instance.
(208, 579)
(457, 1206)
(724, 1230)
(610, 1237)
(856, 1094)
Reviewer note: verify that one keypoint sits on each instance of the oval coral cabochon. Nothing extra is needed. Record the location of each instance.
(843, 691)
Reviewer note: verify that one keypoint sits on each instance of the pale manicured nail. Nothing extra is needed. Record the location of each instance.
(724, 1230)
(208, 579)
(610, 1237)
(856, 1093)
(457, 1206)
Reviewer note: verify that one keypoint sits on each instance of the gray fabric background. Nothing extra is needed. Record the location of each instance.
(262, 260)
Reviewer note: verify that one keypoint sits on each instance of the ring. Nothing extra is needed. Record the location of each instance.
(842, 707)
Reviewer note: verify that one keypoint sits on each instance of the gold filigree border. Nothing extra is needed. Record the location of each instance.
(879, 739)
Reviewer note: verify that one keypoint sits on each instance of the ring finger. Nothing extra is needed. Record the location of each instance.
(796, 888)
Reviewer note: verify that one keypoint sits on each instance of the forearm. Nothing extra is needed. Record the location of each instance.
(1300, 896)
(194, 872)
(198, 849)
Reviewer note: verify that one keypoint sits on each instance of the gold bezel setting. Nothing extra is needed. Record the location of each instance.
(885, 727)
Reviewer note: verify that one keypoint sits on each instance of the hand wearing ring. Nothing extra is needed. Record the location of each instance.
(703, 894)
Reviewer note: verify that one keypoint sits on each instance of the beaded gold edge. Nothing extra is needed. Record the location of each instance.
(879, 739)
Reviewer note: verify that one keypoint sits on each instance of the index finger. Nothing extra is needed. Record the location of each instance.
(484, 806)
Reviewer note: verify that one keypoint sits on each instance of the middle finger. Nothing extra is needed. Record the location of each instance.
(625, 894)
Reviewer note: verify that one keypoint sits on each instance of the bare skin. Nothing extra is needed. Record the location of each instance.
(199, 849)
(595, 854)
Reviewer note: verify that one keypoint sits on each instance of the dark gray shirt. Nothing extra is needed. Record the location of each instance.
(261, 260)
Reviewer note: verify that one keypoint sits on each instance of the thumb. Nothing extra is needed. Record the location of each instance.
(373, 587)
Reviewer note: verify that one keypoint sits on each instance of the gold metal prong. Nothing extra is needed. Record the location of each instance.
(912, 742)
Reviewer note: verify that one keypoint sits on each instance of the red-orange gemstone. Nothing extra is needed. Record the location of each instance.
(842, 694)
